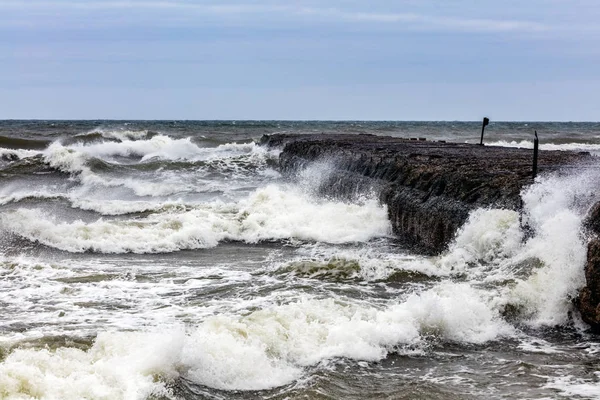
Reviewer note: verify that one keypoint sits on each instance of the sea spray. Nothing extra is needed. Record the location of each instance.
(547, 267)
(555, 207)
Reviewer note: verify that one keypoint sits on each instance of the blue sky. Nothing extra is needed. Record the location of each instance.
(329, 59)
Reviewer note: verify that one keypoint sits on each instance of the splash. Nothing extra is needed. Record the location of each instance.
(539, 275)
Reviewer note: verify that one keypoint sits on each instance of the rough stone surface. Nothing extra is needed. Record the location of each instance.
(588, 301)
(429, 187)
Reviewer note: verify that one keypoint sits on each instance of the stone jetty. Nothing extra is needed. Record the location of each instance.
(430, 187)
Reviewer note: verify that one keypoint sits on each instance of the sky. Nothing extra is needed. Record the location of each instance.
(534, 60)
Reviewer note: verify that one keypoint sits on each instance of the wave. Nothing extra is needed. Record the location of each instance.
(83, 162)
(116, 134)
(29, 195)
(270, 213)
(160, 147)
(527, 144)
(267, 348)
(23, 144)
(373, 262)
(16, 154)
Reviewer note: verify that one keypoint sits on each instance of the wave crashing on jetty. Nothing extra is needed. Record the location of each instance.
(144, 261)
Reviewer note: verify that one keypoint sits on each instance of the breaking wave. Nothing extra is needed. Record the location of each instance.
(270, 213)
(267, 348)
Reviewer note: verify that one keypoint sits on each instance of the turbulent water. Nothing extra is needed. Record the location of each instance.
(170, 260)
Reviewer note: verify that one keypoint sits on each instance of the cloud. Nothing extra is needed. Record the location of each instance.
(408, 20)
(430, 21)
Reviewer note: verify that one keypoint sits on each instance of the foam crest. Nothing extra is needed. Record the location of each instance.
(370, 263)
(120, 134)
(16, 154)
(261, 350)
(158, 146)
(65, 159)
(235, 159)
(527, 144)
(16, 196)
(270, 213)
(164, 147)
(165, 233)
(121, 207)
(457, 312)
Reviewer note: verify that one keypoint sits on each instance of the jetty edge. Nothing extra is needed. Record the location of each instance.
(431, 187)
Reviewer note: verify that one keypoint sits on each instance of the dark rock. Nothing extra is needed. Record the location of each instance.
(429, 187)
(592, 222)
(588, 301)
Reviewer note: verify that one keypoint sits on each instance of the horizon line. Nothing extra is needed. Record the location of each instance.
(288, 120)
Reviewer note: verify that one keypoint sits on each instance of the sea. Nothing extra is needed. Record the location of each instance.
(173, 260)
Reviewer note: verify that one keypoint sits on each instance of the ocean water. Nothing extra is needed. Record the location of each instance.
(171, 260)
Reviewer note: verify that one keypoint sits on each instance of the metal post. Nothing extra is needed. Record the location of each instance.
(536, 144)
(486, 121)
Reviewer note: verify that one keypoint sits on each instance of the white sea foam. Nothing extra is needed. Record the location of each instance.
(264, 349)
(370, 263)
(527, 144)
(74, 161)
(488, 236)
(71, 297)
(574, 387)
(17, 153)
(118, 366)
(12, 196)
(490, 248)
(270, 213)
(120, 207)
(554, 210)
(120, 134)
(163, 147)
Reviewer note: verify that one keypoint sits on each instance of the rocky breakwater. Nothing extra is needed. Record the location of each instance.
(588, 301)
(428, 187)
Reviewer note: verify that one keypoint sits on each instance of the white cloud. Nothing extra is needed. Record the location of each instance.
(436, 22)
(406, 20)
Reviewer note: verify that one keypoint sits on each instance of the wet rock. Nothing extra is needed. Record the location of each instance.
(592, 222)
(588, 301)
(429, 187)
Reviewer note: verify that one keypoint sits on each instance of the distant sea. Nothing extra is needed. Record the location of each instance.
(171, 260)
